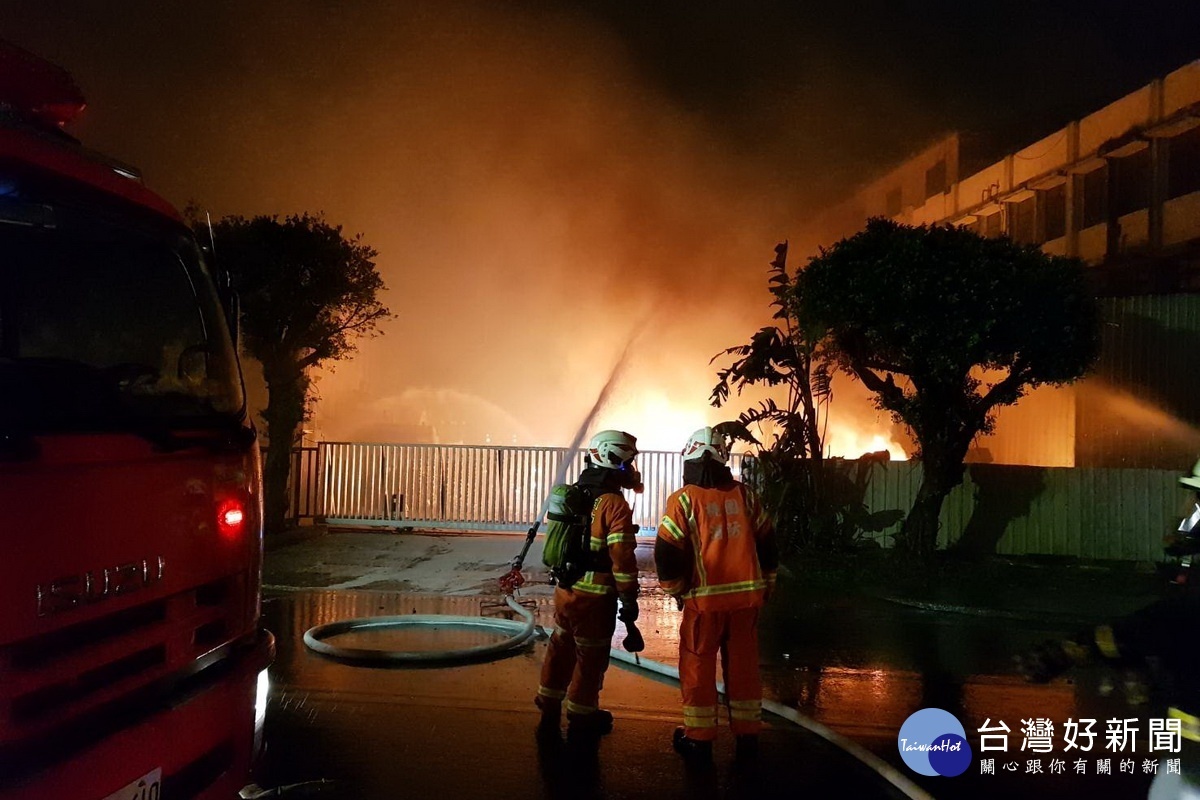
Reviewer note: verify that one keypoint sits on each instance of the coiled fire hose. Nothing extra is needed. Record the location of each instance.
(520, 633)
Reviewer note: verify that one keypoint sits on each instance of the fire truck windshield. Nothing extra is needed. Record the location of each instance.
(109, 326)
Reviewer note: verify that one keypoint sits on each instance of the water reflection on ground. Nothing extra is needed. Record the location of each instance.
(468, 730)
(862, 678)
(861, 670)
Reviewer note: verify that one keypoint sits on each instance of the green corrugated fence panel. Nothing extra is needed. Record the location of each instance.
(1089, 513)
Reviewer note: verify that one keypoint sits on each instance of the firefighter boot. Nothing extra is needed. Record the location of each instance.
(589, 726)
(692, 750)
(746, 749)
(551, 713)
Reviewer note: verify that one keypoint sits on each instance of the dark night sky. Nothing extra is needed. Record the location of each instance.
(895, 75)
(495, 152)
(847, 87)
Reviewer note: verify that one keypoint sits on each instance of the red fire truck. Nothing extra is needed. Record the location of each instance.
(132, 664)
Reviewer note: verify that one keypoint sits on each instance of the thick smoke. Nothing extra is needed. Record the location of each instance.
(532, 199)
(531, 194)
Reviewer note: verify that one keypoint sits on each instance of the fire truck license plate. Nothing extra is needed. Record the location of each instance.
(147, 787)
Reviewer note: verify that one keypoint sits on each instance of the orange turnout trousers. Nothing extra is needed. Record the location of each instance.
(577, 656)
(734, 636)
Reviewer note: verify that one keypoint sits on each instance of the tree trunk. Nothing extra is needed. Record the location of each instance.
(276, 470)
(287, 388)
(941, 472)
(918, 534)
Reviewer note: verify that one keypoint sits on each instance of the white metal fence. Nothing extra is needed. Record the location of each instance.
(467, 487)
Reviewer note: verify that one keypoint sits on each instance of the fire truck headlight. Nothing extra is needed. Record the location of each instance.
(260, 702)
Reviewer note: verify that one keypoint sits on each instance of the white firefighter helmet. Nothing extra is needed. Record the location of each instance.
(706, 440)
(1192, 481)
(612, 449)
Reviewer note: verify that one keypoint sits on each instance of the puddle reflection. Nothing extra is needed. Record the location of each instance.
(862, 680)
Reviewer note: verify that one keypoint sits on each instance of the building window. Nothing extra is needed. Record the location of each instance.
(893, 202)
(935, 179)
(1022, 218)
(1131, 182)
(1093, 192)
(1183, 164)
(1054, 211)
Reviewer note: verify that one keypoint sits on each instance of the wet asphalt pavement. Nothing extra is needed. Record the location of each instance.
(858, 667)
(468, 731)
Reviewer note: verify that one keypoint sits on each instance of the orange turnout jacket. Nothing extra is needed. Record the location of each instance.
(716, 548)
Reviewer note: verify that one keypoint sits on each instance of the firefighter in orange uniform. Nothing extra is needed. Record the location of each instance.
(585, 614)
(716, 554)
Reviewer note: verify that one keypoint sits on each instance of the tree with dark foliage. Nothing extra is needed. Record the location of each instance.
(817, 504)
(307, 292)
(944, 326)
(785, 356)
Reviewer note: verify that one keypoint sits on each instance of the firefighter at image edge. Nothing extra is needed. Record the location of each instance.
(585, 615)
(1163, 637)
(716, 554)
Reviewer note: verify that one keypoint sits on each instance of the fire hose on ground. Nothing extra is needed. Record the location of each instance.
(885, 770)
(520, 633)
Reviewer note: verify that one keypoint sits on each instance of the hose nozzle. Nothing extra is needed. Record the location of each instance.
(512, 580)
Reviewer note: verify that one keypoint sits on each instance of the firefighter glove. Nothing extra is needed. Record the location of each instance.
(634, 642)
(629, 609)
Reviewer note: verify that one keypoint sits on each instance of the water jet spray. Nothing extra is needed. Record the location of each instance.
(513, 579)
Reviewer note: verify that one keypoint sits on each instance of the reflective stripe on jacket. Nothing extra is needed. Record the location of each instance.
(727, 544)
(613, 542)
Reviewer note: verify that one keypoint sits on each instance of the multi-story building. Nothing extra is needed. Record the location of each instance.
(1119, 189)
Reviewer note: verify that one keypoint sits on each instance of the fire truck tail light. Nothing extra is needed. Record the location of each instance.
(231, 518)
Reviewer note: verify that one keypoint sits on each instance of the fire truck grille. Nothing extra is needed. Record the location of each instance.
(48, 680)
